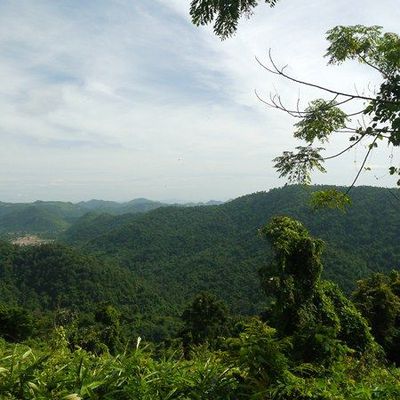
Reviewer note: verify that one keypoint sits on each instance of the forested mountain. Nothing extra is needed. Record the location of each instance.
(135, 276)
(158, 261)
(134, 206)
(33, 220)
(181, 251)
(50, 277)
(52, 217)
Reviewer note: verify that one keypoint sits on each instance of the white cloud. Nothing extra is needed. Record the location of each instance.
(127, 98)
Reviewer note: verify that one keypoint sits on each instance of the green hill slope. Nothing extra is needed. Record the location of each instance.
(52, 217)
(33, 220)
(181, 251)
(52, 276)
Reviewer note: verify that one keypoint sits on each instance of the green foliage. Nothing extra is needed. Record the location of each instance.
(16, 324)
(297, 167)
(366, 44)
(260, 357)
(316, 314)
(50, 218)
(380, 50)
(385, 111)
(378, 299)
(352, 328)
(62, 374)
(330, 198)
(31, 219)
(53, 276)
(98, 332)
(225, 14)
(204, 320)
(296, 272)
(257, 366)
(57, 283)
(151, 266)
(176, 253)
(321, 118)
(319, 346)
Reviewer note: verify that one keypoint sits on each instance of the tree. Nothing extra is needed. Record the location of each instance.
(97, 332)
(312, 311)
(225, 14)
(16, 324)
(293, 275)
(204, 320)
(378, 299)
(108, 319)
(376, 119)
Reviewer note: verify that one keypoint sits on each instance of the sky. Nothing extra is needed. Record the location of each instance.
(121, 99)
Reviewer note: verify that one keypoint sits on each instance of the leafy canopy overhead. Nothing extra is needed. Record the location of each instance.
(377, 116)
(224, 14)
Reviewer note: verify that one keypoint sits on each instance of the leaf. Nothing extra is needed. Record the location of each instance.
(330, 198)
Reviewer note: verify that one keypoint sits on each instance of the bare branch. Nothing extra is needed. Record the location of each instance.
(276, 102)
(281, 72)
(370, 147)
(346, 149)
(364, 60)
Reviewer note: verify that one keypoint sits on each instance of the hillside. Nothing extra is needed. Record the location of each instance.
(52, 217)
(181, 251)
(32, 219)
(49, 277)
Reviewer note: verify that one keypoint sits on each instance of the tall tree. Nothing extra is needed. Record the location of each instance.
(313, 311)
(376, 119)
(378, 299)
(204, 320)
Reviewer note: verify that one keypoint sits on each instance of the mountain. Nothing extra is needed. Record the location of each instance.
(32, 219)
(52, 217)
(180, 251)
(134, 206)
(52, 276)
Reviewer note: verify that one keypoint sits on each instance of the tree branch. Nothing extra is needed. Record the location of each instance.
(371, 146)
(280, 72)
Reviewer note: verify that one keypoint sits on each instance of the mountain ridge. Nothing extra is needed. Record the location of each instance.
(185, 250)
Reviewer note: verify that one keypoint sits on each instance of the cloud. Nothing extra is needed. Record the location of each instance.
(121, 99)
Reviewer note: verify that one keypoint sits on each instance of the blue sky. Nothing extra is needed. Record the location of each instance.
(123, 99)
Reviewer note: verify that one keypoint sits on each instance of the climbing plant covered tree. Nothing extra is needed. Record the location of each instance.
(378, 299)
(314, 312)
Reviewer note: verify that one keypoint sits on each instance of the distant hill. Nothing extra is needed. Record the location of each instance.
(134, 206)
(92, 225)
(32, 219)
(182, 250)
(151, 264)
(52, 217)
